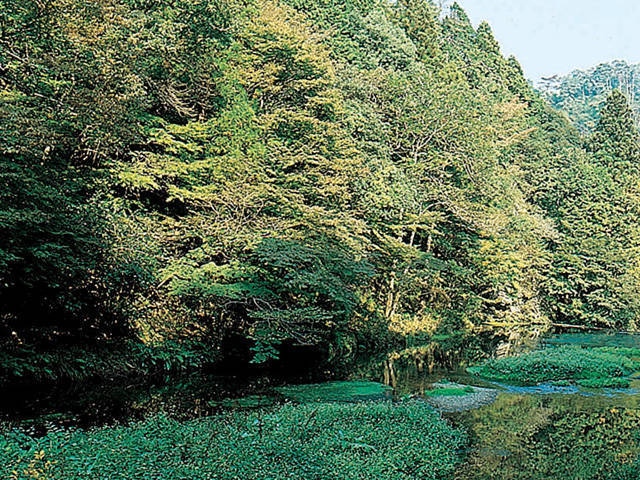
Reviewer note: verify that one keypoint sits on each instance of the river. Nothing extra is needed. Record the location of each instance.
(542, 432)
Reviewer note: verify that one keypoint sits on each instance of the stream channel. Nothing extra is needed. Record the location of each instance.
(515, 432)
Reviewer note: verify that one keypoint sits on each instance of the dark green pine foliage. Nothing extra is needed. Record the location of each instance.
(419, 19)
(615, 143)
(596, 279)
(478, 54)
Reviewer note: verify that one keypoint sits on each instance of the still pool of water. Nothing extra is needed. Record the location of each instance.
(532, 437)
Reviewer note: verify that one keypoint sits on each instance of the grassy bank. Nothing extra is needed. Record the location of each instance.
(315, 441)
(589, 367)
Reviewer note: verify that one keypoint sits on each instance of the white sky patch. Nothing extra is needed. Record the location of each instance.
(551, 37)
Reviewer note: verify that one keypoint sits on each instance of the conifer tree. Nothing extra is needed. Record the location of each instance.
(615, 142)
(596, 278)
(325, 173)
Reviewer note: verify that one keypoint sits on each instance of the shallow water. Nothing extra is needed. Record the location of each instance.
(42, 408)
(625, 340)
(554, 436)
(545, 431)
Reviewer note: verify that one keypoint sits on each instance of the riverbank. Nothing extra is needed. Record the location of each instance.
(469, 398)
(271, 425)
(321, 440)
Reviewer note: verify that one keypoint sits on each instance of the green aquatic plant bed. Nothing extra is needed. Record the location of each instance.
(449, 392)
(590, 367)
(632, 353)
(313, 441)
(348, 391)
(610, 382)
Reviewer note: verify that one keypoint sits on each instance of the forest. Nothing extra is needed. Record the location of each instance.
(582, 93)
(185, 181)
(220, 183)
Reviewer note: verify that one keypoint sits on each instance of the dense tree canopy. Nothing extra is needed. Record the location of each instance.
(314, 174)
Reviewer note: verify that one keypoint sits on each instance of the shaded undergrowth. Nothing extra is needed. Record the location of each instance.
(105, 361)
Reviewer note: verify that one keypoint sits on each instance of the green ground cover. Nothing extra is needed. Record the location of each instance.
(589, 367)
(449, 391)
(313, 441)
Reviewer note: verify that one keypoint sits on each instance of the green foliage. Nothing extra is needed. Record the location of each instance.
(582, 93)
(82, 87)
(110, 360)
(633, 353)
(249, 401)
(289, 291)
(589, 367)
(49, 248)
(615, 141)
(307, 441)
(612, 382)
(323, 175)
(595, 277)
(449, 391)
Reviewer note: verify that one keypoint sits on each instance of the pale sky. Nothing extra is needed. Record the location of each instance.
(557, 36)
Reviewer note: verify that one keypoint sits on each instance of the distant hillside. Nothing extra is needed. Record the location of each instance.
(581, 94)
